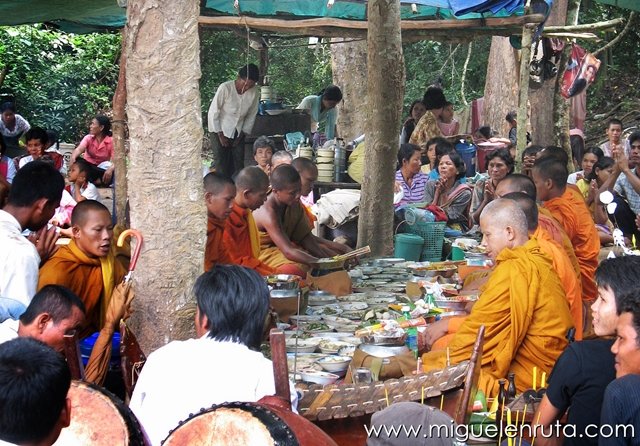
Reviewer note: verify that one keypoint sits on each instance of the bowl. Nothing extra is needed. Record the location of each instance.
(278, 112)
(321, 298)
(283, 282)
(303, 346)
(323, 378)
(331, 347)
(383, 351)
(334, 363)
(454, 305)
(347, 350)
(380, 339)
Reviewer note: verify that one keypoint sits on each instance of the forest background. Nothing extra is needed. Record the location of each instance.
(60, 81)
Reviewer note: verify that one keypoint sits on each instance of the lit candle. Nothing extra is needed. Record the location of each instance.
(535, 378)
(543, 380)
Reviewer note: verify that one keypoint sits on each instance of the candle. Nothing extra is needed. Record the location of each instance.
(442, 401)
(543, 380)
(535, 378)
(509, 439)
(422, 399)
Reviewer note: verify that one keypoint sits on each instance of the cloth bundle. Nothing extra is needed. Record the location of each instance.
(337, 207)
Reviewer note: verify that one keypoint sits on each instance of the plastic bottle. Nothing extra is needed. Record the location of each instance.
(431, 300)
(412, 332)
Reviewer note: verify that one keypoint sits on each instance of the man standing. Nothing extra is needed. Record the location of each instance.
(231, 116)
(34, 197)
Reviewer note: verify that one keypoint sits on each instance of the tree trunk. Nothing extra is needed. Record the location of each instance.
(385, 87)
(119, 131)
(349, 66)
(501, 86)
(542, 119)
(165, 128)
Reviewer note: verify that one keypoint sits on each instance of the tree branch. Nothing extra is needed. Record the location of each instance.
(464, 74)
(626, 29)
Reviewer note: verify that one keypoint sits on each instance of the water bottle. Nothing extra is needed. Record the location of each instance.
(412, 333)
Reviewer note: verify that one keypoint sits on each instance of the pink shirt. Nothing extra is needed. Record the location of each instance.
(95, 152)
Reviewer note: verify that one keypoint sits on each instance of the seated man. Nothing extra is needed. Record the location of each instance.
(583, 371)
(628, 181)
(223, 364)
(286, 240)
(87, 265)
(522, 306)
(34, 382)
(53, 312)
(614, 139)
(263, 149)
(570, 210)
(219, 192)
(561, 263)
(240, 239)
(35, 194)
(621, 405)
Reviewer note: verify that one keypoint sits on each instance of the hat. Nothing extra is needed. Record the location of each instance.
(429, 425)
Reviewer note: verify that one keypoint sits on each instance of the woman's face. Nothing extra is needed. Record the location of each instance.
(588, 160)
(95, 128)
(328, 105)
(447, 113)
(603, 175)
(35, 148)
(412, 165)
(418, 111)
(497, 169)
(431, 154)
(9, 118)
(447, 168)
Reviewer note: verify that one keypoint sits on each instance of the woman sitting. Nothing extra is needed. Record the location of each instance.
(416, 111)
(97, 147)
(448, 193)
(590, 157)
(499, 165)
(435, 148)
(409, 179)
(589, 187)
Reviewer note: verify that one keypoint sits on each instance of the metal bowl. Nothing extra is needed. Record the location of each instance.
(283, 282)
(454, 305)
(383, 351)
(377, 339)
(283, 294)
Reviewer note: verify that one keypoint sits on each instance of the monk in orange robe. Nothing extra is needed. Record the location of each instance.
(219, 193)
(87, 265)
(570, 210)
(522, 306)
(241, 239)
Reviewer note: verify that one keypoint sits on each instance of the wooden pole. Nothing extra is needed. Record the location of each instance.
(119, 132)
(523, 94)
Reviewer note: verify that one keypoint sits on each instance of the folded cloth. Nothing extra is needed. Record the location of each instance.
(337, 207)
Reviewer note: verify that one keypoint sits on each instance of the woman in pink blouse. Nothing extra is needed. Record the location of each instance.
(97, 147)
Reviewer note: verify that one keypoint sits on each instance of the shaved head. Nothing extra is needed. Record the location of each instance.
(252, 179)
(550, 168)
(503, 225)
(555, 152)
(284, 176)
(215, 183)
(304, 165)
(528, 206)
(83, 209)
(516, 182)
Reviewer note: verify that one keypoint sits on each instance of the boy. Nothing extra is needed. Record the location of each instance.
(219, 193)
(87, 265)
(80, 187)
(614, 132)
(241, 239)
(36, 139)
(263, 149)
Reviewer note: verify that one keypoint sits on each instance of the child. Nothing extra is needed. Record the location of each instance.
(614, 132)
(448, 125)
(79, 186)
(263, 149)
(37, 139)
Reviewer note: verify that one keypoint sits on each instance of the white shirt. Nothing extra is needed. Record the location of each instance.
(183, 377)
(573, 177)
(19, 261)
(230, 112)
(606, 147)
(8, 330)
(90, 192)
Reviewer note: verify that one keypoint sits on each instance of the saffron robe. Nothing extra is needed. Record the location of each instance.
(91, 279)
(572, 213)
(526, 319)
(214, 251)
(242, 242)
(547, 222)
(570, 281)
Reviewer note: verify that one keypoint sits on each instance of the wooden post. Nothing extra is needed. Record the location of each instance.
(119, 130)
(523, 94)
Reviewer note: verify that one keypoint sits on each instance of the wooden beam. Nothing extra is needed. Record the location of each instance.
(586, 26)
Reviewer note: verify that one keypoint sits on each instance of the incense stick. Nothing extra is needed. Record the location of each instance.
(386, 395)
(422, 399)
(535, 428)
(524, 415)
(442, 401)
(448, 358)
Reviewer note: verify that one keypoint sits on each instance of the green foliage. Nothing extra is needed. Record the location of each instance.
(59, 80)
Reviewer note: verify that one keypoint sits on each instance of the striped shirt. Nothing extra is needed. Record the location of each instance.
(415, 192)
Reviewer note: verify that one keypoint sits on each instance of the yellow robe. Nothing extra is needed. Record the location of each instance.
(526, 318)
(295, 224)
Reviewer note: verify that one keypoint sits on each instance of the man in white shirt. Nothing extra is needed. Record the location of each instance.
(614, 133)
(34, 382)
(223, 364)
(34, 197)
(54, 312)
(232, 114)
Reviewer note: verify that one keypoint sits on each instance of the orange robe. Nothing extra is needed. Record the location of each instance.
(526, 318)
(572, 213)
(91, 279)
(242, 241)
(556, 232)
(214, 252)
(570, 281)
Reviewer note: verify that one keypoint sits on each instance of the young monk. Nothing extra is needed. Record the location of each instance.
(219, 193)
(87, 265)
(561, 263)
(286, 242)
(241, 239)
(522, 306)
(550, 178)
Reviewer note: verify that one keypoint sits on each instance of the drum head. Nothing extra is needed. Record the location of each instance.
(99, 418)
(232, 424)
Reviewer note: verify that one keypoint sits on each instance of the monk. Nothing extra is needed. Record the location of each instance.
(286, 242)
(522, 306)
(241, 239)
(550, 178)
(561, 263)
(219, 193)
(87, 265)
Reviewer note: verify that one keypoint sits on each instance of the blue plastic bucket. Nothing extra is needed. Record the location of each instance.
(408, 246)
(86, 346)
(468, 154)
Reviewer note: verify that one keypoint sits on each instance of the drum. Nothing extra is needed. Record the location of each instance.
(99, 418)
(239, 424)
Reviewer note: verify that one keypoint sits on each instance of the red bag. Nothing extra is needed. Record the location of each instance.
(438, 212)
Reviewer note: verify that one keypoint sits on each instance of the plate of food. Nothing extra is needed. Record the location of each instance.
(332, 346)
(317, 327)
(325, 310)
(301, 345)
(353, 306)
